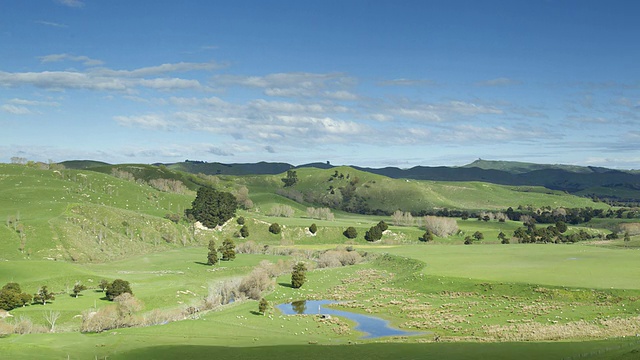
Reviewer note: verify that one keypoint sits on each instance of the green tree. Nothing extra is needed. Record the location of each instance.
(240, 220)
(117, 288)
(468, 240)
(313, 228)
(374, 234)
(43, 295)
(262, 306)
(212, 256)
(103, 284)
(561, 226)
(350, 233)
(627, 237)
(291, 179)
(77, 289)
(503, 238)
(228, 250)
(244, 231)
(427, 236)
(212, 207)
(11, 296)
(299, 275)
(275, 228)
(382, 226)
(478, 235)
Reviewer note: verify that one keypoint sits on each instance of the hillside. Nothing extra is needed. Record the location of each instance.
(354, 190)
(84, 215)
(585, 181)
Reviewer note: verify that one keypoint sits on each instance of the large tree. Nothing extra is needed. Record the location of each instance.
(299, 275)
(228, 250)
(43, 295)
(212, 207)
(291, 179)
(117, 288)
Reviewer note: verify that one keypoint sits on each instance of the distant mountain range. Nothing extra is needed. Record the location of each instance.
(604, 183)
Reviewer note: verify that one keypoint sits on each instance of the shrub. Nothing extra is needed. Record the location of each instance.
(282, 211)
(350, 232)
(313, 228)
(275, 228)
(240, 220)
(253, 285)
(244, 231)
(228, 250)
(427, 236)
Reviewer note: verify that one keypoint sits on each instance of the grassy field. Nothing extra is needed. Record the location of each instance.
(486, 300)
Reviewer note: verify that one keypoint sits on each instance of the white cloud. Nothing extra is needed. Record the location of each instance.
(155, 122)
(502, 81)
(52, 24)
(159, 69)
(16, 101)
(15, 110)
(219, 151)
(85, 60)
(406, 82)
(71, 3)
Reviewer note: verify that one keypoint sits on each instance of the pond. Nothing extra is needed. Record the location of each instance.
(373, 327)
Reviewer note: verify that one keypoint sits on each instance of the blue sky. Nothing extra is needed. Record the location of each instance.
(371, 83)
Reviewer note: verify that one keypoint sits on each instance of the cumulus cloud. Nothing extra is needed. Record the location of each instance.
(270, 149)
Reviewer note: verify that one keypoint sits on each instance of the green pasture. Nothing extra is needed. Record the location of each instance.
(552, 264)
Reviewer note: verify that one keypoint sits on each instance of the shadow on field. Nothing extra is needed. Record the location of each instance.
(288, 285)
(201, 263)
(256, 313)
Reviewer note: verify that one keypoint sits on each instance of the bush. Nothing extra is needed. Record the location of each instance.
(427, 236)
(253, 285)
(313, 228)
(282, 211)
(244, 231)
(240, 220)
(275, 228)
(351, 232)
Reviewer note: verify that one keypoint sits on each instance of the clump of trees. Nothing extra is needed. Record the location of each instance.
(401, 218)
(375, 232)
(212, 207)
(282, 211)
(440, 226)
(291, 179)
(320, 213)
(12, 296)
(298, 275)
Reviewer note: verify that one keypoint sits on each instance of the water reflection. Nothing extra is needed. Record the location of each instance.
(372, 326)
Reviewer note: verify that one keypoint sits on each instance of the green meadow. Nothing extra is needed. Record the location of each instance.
(482, 301)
